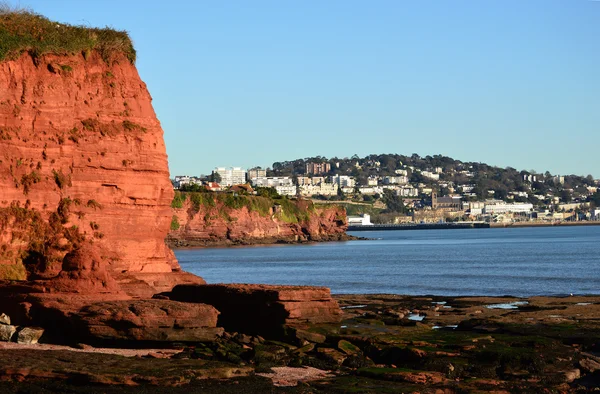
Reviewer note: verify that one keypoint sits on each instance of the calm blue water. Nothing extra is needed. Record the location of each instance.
(515, 261)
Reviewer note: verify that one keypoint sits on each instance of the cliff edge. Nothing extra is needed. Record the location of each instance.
(213, 219)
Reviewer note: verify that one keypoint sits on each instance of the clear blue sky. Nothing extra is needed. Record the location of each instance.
(506, 82)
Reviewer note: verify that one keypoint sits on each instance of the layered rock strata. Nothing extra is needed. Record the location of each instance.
(149, 320)
(262, 309)
(209, 219)
(82, 159)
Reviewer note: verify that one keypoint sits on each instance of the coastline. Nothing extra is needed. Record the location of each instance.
(175, 243)
(384, 342)
(552, 224)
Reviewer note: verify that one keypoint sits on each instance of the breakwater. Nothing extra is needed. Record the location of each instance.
(420, 226)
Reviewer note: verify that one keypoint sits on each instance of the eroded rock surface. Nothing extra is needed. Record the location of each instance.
(150, 320)
(208, 219)
(262, 309)
(82, 159)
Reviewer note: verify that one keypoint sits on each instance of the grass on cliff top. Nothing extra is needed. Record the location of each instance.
(292, 211)
(23, 30)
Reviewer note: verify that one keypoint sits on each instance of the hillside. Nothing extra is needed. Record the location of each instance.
(475, 181)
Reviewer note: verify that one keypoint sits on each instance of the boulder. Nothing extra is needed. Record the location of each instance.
(309, 336)
(572, 375)
(150, 320)
(4, 319)
(331, 355)
(589, 365)
(262, 309)
(30, 335)
(7, 332)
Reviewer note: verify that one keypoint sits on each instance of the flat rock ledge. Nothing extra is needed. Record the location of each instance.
(262, 309)
(150, 320)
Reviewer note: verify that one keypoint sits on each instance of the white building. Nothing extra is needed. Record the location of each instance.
(362, 220)
(395, 180)
(407, 191)
(286, 190)
(324, 189)
(370, 190)
(499, 207)
(372, 181)
(343, 181)
(431, 175)
(256, 172)
(272, 181)
(401, 172)
(182, 180)
(305, 180)
(231, 176)
(474, 207)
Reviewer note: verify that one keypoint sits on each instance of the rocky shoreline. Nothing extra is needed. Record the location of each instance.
(175, 243)
(379, 343)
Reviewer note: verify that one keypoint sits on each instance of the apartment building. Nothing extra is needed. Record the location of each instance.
(343, 180)
(318, 168)
(231, 176)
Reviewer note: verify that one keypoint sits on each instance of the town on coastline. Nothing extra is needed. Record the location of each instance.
(396, 189)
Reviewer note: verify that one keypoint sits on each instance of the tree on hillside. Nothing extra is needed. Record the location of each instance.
(269, 192)
(393, 202)
(595, 198)
(215, 177)
(565, 196)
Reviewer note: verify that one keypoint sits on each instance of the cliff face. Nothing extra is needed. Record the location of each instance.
(205, 219)
(82, 159)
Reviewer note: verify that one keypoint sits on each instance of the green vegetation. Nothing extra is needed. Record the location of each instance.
(193, 187)
(199, 200)
(36, 244)
(13, 272)
(93, 204)
(130, 126)
(291, 211)
(178, 200)
(269, 192)
(175, 223)
(25, 31)
(61, 179)
(393, 202)
(28, 180)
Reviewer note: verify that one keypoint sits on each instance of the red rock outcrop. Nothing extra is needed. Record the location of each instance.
(82, 159)
(210, 221)
(149, 320)
(262, 309)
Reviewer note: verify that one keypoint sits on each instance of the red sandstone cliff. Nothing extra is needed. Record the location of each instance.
(218, 219)
(82, 157)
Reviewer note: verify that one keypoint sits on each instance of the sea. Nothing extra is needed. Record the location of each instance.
(526, 261)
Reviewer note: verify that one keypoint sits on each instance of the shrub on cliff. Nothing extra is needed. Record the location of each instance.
(25, 31)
